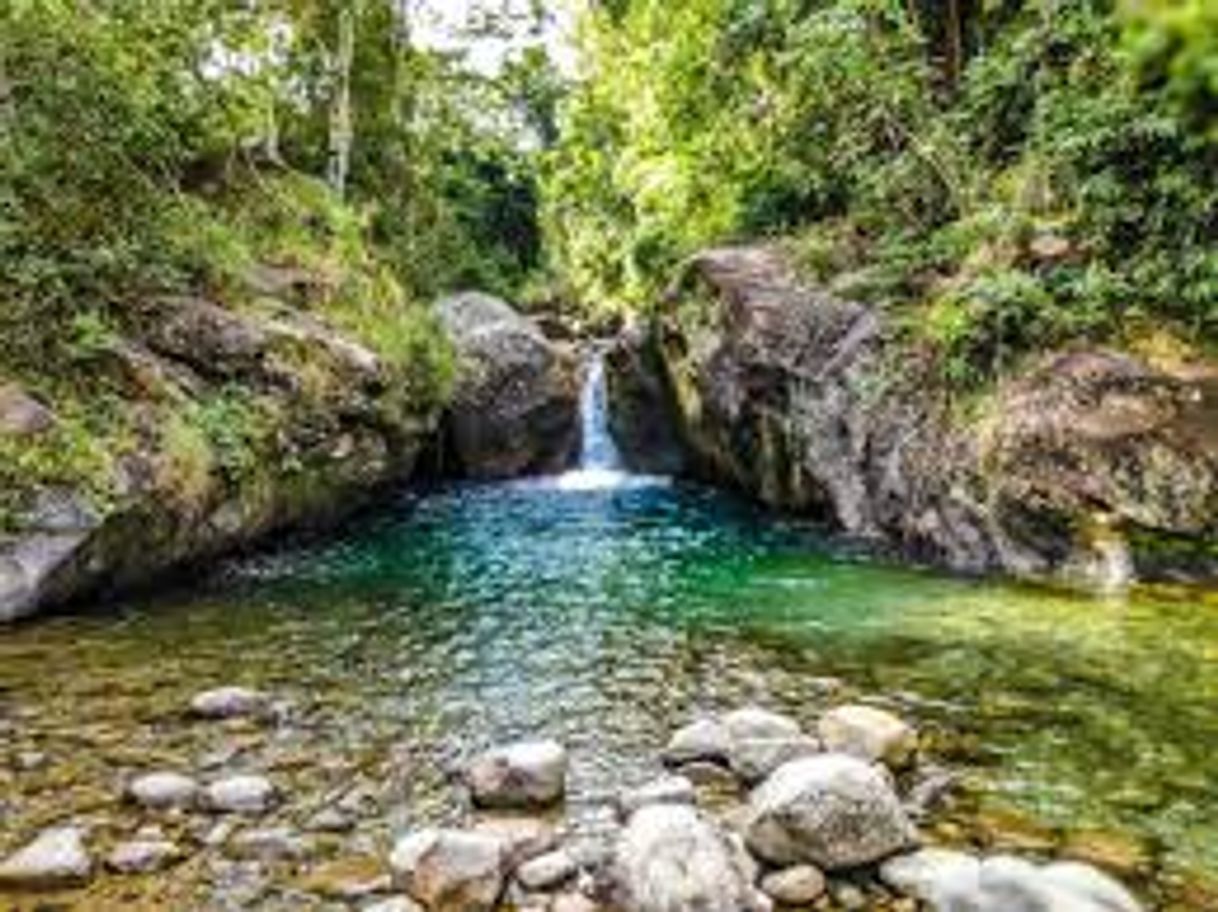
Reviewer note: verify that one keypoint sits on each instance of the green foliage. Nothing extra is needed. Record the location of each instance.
(1057, 180)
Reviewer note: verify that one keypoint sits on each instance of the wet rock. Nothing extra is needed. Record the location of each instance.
(797, 886)
(832, 811)
(704, 740)
(870, 734)
(670, 858)
(268, 845)
(932, 788)
(56, 858)
(522, 838)
(159, 791)
(928, 874)
(331, 820)
(761, 741)
(241, 795)
(396, 904)
(530, 774)
(954, 881)
(141, 856)
(573, 902)
(515, 407)
(664, 790)
(229, 703)
(450, 870)
(548, 871)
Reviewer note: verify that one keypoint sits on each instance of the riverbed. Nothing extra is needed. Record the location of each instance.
(607, 614)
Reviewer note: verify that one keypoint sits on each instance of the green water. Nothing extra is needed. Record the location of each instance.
(473, 615)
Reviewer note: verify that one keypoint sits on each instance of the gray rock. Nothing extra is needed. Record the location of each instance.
(230, 702)
(158, 791)
(547, 871)
(664, 790)
(269, 845)
(522, 838)
(56, 858)
(21, 415)
(703, 740)
(241, 795)
(955, 882)
(670, 858)
(450, 870)
(525, 775)
(515, 407)
(760, 741)
(832, 811)
(870, 734)
(798, 886)
(395, 904)
(141, 856)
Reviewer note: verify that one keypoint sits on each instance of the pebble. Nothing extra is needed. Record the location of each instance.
(229, 703)
(548, 871)
(241, 795)
(163, 790)
(140, 856)
(797, 886)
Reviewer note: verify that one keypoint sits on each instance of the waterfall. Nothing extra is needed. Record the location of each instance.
(598, 451)
(600, 466)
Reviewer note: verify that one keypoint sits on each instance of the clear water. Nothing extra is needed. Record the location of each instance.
(607, 617)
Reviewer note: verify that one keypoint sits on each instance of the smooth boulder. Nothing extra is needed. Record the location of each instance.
(450, 870)
(230, 703)
(870, 734)
(515, 407)
(241, 795)
(56, 858)
(955, 882)
(760, 741)
(832, 811)
(527, 775)
(670, 858)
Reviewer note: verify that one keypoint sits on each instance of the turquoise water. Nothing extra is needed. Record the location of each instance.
(448, 621)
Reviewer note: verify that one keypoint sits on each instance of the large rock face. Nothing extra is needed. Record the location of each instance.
(242, 423)
(1092, 465)
(515, 410)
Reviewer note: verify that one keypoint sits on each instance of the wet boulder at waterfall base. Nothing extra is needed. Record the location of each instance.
(515, 408)
(1095, 466)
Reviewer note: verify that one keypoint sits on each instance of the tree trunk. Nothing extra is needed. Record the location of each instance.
(341, 130)
(955, 45)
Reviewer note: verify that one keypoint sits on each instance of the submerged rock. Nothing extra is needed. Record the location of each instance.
(833, 811)
(665, 790)
(870, 734)
(56, 858)
(163, 790)
(515, 408)
(702, 740)
(230, 702)
(450, 870)
(140, 856)
(672, 859)
(529, 774)
(241, 795)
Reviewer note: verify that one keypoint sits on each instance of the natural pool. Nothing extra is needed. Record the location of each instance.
(607, 616)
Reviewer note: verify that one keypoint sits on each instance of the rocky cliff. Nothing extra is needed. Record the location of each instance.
(236, 423)
(1091, 464)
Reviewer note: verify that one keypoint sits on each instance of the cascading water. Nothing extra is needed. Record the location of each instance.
(600, 463)
(598, 451)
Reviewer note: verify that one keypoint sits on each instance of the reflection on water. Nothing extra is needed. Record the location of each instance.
(606, 616)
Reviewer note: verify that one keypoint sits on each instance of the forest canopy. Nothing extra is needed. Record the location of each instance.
(1009, 174)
